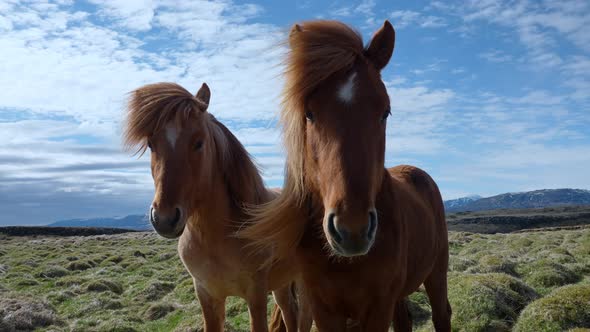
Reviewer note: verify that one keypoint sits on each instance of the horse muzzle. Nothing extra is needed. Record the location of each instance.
(168, 224)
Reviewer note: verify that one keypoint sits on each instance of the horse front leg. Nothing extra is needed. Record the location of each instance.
(304, 320)
(213, 310)
(257, 309)
(287, 302)
(402, 321)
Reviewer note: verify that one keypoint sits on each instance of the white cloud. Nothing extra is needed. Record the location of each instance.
(433, 67)
(342, 12)
(415, 124)
(432, 22)
(403, 18)
(72, 75)
(78, 71)
(535, 23)
(496, 56)
(406, 18)
(131, 14)
(69, 71)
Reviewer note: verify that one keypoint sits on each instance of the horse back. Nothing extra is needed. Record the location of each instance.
(422, 209)
(422, 185)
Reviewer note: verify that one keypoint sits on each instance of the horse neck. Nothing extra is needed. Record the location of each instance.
(212, 214)
(389, 200)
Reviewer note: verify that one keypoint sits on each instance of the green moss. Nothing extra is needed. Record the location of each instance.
(117, 325)
(544, 275)
(185, 292)
(84, 324)
(487, 302)
(235, 306)
(419, 308)
(52, 272)
(519, 242)
(78, 266)
(156, 290)
(579, 268)
(493, 264)
(460, 264)
(58, 297)
(564, 308)
(104, 286)
(158, 310)
(25, 314)
(152, 270)
(70, 281)
(115, 259)
(27, 282)
(165, 256)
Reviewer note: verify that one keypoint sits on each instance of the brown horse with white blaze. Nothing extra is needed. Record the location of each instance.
(364, 237)
(203, 178)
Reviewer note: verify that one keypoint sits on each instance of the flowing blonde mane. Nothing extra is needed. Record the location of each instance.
(152, 106)
(318, 50)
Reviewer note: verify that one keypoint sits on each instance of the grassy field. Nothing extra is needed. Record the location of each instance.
(535, 281)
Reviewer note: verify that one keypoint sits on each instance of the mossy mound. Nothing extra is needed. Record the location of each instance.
(493, 264)
(58, 297)
(104, 286)
(23, 314)
(157, 290)
(565, 308)
(487, 302)
(544, 275)
(53, 272)
(158, 310)
(460, 264)
(78, 266)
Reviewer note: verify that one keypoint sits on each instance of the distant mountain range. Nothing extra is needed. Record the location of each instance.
(135, 222)
(459, 202)
(524, 200)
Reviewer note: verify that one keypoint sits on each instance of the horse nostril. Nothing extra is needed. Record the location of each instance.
(332, 228)
(153, 215)
(177, 216)
(372, 224)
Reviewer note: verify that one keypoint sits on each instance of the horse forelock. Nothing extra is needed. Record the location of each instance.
(152, 107)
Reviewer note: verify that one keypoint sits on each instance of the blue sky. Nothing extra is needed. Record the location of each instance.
(488, 96)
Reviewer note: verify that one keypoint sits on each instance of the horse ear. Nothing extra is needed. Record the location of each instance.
(295, 29)
(204, 95)
(381, 47)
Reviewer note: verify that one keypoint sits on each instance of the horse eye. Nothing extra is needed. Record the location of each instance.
(386, 114)
(309, 116)
(198, 145)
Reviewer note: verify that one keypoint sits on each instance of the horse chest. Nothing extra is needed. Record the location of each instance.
(349, 287)
(216, 268)
(350, 293)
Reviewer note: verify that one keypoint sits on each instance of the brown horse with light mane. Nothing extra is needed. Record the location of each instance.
(364, 237)
(203, 178)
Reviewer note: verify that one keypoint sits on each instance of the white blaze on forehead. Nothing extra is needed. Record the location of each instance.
(171, 133)
(346, 91)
